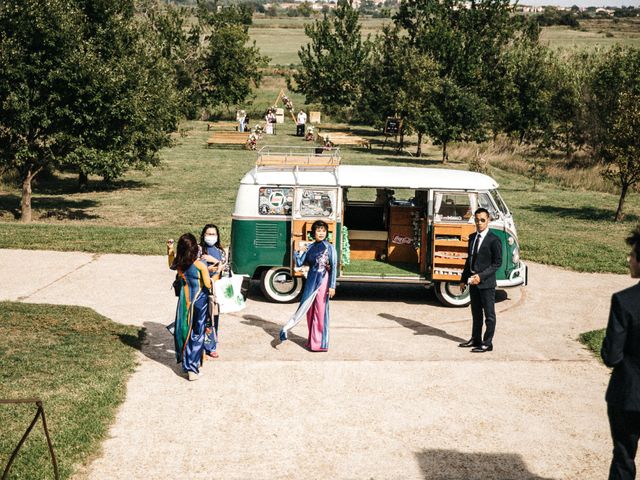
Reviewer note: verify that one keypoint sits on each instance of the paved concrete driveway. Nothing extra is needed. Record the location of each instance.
(393, 398)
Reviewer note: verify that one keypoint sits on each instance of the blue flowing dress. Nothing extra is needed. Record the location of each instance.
(191, 316)
(321, 258)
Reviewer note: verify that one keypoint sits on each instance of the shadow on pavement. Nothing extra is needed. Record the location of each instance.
(453, 465)
(421, 328)
(272, 329)
(156, 343)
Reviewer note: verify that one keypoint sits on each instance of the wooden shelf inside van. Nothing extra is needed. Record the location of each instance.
(450, 244)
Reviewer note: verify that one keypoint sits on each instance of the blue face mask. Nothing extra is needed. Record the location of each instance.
(210, 240)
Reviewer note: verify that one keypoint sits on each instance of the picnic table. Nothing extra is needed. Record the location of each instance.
(228, 138)
(344, 138)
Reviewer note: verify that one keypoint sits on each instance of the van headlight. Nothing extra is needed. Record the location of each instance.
(515, 257)
(511, 241)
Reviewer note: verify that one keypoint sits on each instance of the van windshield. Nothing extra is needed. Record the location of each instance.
(499, 202)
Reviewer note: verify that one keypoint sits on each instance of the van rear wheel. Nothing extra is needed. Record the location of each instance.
(279, 286)
(451, 295)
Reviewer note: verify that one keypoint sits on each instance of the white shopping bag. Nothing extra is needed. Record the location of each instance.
(229, 294)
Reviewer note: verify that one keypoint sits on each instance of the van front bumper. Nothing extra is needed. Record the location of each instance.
(518, 276)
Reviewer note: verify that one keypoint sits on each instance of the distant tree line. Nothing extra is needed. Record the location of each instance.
(457, 74)
(97, 86)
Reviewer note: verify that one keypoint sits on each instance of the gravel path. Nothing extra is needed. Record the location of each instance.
(393, 398)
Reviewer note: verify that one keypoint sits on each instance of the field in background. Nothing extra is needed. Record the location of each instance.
(281, 38)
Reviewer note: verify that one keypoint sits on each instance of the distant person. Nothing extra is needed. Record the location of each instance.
(300, 124)
(193, 304)
(320, 286)
(483, 260)
(270, 118)
(241, 117)
(621, 350)
(212, 254)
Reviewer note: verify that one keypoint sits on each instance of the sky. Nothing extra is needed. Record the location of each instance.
(583, 3)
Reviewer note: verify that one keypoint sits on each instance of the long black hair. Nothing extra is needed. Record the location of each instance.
(204, 245)
(186, 252)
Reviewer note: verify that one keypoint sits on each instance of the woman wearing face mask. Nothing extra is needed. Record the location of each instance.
(318, 289)
(216, 260)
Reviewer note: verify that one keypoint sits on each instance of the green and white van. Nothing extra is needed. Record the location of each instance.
(388, 224)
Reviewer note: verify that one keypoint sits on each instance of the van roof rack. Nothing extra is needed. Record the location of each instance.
(277, 156)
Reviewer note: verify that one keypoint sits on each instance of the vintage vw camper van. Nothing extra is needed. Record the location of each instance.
(388, 224)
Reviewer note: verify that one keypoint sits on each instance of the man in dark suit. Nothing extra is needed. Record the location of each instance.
(483, 260)
(621, 350)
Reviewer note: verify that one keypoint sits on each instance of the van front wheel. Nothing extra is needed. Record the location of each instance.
(278, 285)
(451, 295)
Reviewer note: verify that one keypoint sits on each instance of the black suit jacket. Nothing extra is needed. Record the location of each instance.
(621, 349)
(488, 261)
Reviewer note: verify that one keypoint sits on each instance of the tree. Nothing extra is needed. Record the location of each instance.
(333, 62)
(528, 89)
(400, 81)
(80, 86)
(228, 68)
(614, 125)
(466, 44)
(622, 152)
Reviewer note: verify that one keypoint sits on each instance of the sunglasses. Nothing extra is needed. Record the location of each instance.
(481, 220)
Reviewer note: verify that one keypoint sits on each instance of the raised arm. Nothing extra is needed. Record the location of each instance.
(171, 254)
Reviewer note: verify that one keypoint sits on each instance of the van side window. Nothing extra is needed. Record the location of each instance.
(317, 203)
(454, 207)
(275, 201)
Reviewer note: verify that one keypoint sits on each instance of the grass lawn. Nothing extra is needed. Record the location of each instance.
(77, 362)
(197, 185)
(376, 267)
(593, 340)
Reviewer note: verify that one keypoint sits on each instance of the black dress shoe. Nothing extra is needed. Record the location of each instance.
(482, 349)
(468, 344)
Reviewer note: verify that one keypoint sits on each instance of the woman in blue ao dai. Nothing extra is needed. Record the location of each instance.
(320, 286)
(215, 258)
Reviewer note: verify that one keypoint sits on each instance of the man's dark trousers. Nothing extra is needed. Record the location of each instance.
(483, 308)
(625, 430)
(300, 129)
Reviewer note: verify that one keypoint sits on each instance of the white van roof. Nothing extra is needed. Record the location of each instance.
(371, 176)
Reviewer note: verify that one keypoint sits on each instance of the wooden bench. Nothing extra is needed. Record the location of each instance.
(228, 138)
(224, 126)
(341, 138)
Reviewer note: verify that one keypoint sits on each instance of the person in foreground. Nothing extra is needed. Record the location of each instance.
(320, 286)
(483, 260)
(193, 304)
(621, 350)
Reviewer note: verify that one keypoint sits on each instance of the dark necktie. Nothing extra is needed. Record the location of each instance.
(474, 254)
